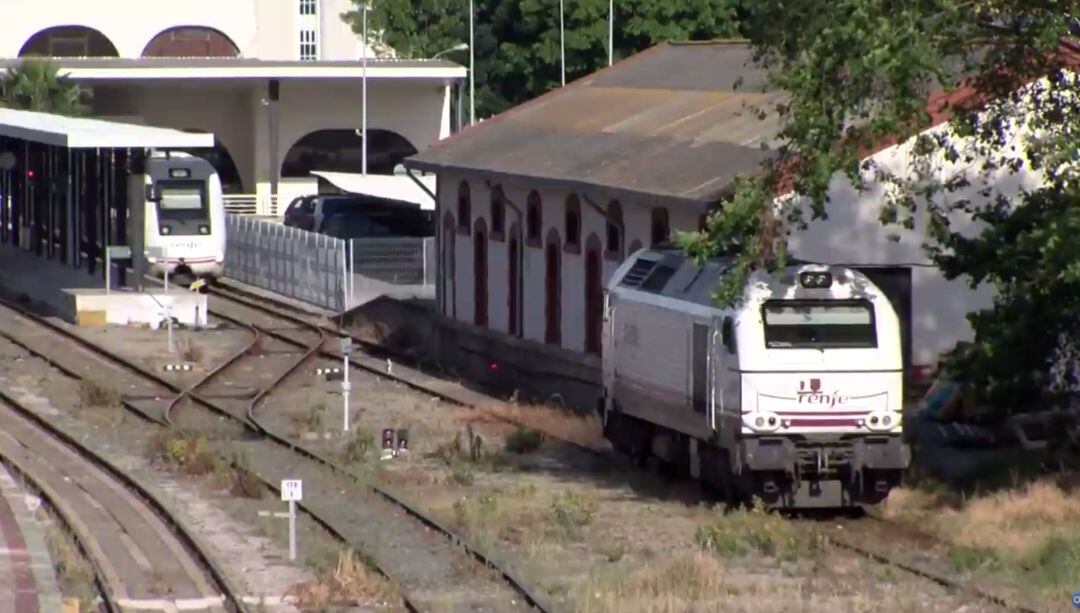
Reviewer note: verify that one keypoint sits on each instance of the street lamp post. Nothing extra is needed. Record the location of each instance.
(363, 103)
(472, 68)
(562, 44)
(611, 33)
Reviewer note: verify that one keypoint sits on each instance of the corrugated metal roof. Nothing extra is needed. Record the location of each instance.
(673, 121)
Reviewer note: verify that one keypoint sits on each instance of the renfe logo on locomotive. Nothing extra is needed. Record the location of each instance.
(810, 393)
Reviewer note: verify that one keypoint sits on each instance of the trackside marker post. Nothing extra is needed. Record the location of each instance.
(346, 387)
(292, 491)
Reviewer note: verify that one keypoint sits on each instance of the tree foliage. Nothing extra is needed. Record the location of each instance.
(35, 85)
(863, 73)
(517, 42)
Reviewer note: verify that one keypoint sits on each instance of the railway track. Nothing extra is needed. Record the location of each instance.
(848, 535)
(452, 544)
(141, 556)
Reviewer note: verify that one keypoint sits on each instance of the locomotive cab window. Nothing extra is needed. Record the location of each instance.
(819, 324)
(182, 198)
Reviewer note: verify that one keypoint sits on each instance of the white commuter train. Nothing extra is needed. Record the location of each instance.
(793, 395)
(183, 212)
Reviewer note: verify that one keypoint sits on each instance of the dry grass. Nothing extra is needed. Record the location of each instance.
(95, 395)
(1030, 534)
(190, 352)
(1011, 520)
(73, 571)
(584, 430)
(349, 583)
(692, 582)
(185, 454)
(758, 531)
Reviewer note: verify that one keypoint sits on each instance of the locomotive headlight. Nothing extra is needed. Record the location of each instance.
(881, 421)
(166, 230)
(762, 422)
(204, 229)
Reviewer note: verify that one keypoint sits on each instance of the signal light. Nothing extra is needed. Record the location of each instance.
(815, 280)
(30, 173)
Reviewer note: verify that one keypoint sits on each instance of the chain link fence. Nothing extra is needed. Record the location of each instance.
(399, 261)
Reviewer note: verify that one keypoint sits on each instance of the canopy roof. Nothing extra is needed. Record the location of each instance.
(83, 133)
(391, 187)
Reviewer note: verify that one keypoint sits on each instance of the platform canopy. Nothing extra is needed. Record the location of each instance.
(84, 133)
(391, 187)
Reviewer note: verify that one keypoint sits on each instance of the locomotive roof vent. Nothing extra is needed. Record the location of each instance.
(637, 273)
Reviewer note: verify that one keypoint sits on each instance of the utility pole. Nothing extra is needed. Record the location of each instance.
(472, 68)
(562, 44)
(611, 33)
(363, 103)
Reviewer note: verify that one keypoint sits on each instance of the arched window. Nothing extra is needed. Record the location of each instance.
(480, 274)
(498, 213)
(464, 207)
(553, 289)
(534, 219)
(69, 41)
(573, 224)
(660, 229)
(614, 230)
(191, 41)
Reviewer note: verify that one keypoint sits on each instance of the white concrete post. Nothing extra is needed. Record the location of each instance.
(346, 387)
(292, 491)
(292, 530)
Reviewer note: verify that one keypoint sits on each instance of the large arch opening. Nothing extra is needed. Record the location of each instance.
(342, 151)
(69, 41)
(191, 41)
(222, 161)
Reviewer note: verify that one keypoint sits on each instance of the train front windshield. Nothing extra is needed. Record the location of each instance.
(819, 324)
(182, 199)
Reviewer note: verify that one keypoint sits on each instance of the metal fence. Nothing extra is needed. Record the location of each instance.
(399, 261)
(291, 262)
(332, 273)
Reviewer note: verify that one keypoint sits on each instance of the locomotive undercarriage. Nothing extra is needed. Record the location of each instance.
(799, 471)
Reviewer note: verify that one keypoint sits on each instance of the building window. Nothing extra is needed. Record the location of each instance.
(660, 226)
(573, 224)
(614, 230)
(308, 49)
(498, 213)
(464, 207)
(533, 219)
(307, 7)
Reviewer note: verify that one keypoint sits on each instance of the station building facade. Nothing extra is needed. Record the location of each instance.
(539, 205)
(279, 83)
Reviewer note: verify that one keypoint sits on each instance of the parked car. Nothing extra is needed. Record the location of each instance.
(301, 213)
(372, 220)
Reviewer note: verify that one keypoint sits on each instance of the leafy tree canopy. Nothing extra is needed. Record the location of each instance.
(861, 72)
(34, 85)
(517, 41)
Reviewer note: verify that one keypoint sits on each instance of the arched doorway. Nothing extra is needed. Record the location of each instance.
(191, 41)
(69, 41)
(513, 248)
(594, 295)
(480, 276)
(342, 151)
(553, 289)
(222, 162)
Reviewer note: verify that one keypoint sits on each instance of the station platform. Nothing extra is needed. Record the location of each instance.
(78, 297)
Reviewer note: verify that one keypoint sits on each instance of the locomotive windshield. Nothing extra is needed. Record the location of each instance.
(181, 199)
(819, 324)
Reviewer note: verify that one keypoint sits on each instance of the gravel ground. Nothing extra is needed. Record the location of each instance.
(253, 561)
(526, 508)
(593, 532)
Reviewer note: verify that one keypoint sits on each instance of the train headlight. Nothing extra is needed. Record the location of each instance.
(165, 230)
(204, 229)
(762, 422)
(881, 421)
